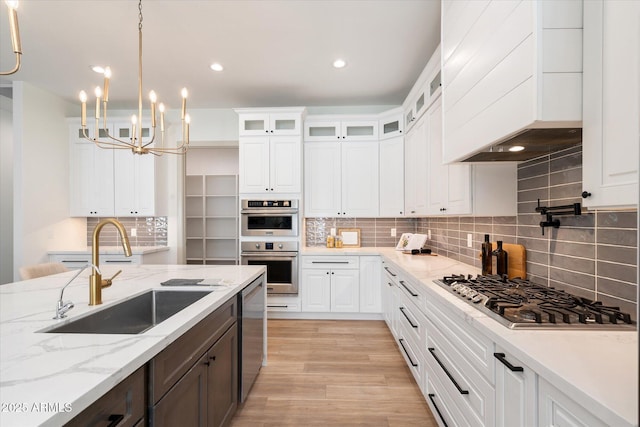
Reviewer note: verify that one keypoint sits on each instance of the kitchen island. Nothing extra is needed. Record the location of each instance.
(49, 378)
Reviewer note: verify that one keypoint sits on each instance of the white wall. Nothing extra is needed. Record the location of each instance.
(41, 177)
(6, 190)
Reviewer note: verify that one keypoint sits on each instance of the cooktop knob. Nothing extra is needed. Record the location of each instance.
(257, 245)
(280, 246)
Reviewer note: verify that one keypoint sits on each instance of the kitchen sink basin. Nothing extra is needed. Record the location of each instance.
(132, 316)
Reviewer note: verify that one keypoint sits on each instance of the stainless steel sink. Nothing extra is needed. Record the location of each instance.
(132, 316)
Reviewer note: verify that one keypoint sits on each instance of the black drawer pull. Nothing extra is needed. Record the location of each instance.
(390, 272)
(390, 284)
(501, 357)
(329, 262)
(277, 306)
(115, 419)
(433, 402)
(432, 351)
(414, 364)
(119, 261)
(413, 325)
(413, 294)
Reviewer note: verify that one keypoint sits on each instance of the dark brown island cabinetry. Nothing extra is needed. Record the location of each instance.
(194, 381)
(123, 405)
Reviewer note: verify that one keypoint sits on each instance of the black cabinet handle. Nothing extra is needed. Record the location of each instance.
(585, 194)
(212, 358)
(413, 294)
(115, 419)
(432, 351)
(433, 402)
(414, 364)
(413, 325)
(389, 283)
(329, 262)
(501, 357)
(277, 306)
(390, 272)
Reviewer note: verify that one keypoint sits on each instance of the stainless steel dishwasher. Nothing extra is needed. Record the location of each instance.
(251, 316)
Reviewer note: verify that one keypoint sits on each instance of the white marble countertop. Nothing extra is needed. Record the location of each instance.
(48, 378)
(597, 369)
(107, 250)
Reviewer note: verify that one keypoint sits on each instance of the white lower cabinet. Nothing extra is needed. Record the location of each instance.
(557, 409)
(370, 284)
(330, 284)
(516, 394)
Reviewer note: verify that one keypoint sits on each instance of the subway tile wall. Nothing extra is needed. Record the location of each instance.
(593, 255)
(151, 231)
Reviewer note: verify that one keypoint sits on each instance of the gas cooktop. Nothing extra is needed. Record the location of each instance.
(518, 303)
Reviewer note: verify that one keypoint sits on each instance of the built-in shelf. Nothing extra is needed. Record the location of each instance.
(211, 204)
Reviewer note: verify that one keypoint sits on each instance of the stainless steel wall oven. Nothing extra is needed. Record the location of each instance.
(269, 218)
(281, 260)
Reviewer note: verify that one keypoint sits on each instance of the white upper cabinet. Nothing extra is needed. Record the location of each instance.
(261, 124)
(415, 169)
(341, 179)
(391, 124)
(270, 150)
(448, 186)
(334, 129)
(270, 164)
(611, 133)
(425, 90)
(392, 177)
(91, 176)
(508, 66)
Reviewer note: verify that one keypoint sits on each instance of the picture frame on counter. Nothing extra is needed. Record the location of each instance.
(350, 237)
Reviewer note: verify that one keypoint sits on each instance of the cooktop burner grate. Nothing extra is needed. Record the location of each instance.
(519, 303)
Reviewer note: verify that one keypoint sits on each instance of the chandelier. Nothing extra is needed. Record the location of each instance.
(103, 138)
(12, 5)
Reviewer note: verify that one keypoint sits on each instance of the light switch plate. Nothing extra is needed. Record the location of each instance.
(429, 234)
(134, 232)
(333, 231)
(393, 232)
(469, 240)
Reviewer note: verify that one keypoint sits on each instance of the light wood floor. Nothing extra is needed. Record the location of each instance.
(333, 373)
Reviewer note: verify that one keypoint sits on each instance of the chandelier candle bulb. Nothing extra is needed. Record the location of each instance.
(98, 93)
(161, 108)
(184, 101)
(107, 76)
(83, 109)
(134, 121)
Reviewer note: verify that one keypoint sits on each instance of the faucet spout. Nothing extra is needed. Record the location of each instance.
(96, 283)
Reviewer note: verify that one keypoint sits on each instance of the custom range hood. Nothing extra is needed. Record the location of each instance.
(529, 144)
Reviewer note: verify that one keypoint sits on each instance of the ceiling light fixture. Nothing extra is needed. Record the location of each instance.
(216, 67)
(516, 148)
(97, 69)
(135, 142)
(339, 63)
(12, 6)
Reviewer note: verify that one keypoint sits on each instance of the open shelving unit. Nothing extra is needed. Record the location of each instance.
(211, 204)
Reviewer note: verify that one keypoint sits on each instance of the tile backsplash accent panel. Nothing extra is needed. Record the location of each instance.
(151, 231)
(373, 231)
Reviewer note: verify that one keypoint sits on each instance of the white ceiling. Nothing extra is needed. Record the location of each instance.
(275, 53)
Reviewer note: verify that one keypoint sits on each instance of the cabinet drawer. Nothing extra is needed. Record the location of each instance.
(174, 361)
(472, 393)
(442, 405)
(283, 303)
(413, 323)
(477, 348)
(412, 356)
(330, 262)
(123, 405)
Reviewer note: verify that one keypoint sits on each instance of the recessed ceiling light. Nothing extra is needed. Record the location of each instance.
(216, 67)
(98, 69)
(516, 148)
(339, 63)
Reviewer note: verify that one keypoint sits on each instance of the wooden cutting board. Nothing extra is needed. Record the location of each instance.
(517, 259)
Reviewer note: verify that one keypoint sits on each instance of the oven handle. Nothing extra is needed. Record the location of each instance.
(270, 254)
(269, 211)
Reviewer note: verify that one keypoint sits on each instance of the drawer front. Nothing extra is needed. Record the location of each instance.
(412, 356)
(124, 404)
(413, 322)
(477, 348)
(442, 405)
(174, 361)
(411, 291)
(472, 393)
(283, 303)
(331, 262)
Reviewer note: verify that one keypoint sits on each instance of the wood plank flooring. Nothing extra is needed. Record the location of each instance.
(333, 373)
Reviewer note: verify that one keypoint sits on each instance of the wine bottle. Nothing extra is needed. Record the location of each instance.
(502, 262)
(486, 256)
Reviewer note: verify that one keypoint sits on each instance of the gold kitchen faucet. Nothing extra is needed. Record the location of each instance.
(96, 282)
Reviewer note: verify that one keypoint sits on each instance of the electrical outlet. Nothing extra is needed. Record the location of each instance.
(469, 240)
(333, 231)
(134, 232)
(429, 234)
(393, 232)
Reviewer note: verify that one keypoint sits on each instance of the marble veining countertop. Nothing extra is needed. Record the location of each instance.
(48, 378)
(108, 250)
(597, 369)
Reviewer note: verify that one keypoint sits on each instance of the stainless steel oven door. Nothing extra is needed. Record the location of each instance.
(282, 270)
(256, 223)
